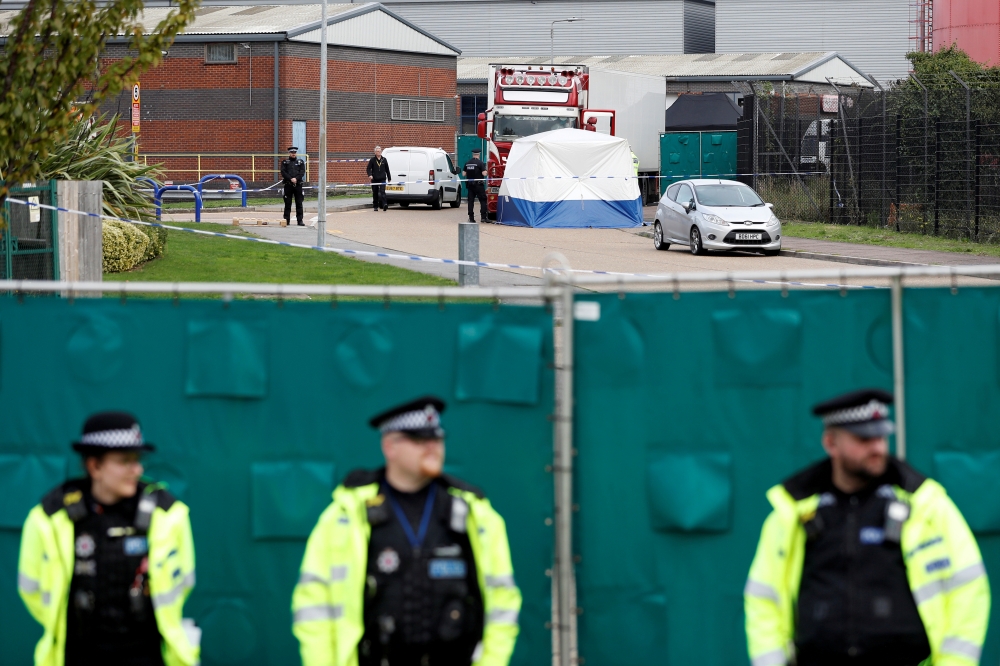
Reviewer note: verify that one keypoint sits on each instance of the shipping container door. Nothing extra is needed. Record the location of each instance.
(466, 144)
(718, 154)
(680, 157)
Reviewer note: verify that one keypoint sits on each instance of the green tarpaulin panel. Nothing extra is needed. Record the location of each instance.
(257, 409)
(688, 410)
(498, 363)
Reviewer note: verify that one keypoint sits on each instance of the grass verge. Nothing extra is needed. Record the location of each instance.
(196, 258)
(885, 237)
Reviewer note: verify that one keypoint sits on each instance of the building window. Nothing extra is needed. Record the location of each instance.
(216, 53)
(472, 106)
(418, 109)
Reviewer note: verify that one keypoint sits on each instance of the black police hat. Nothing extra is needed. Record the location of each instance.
(293, 149)
(420, 418)
(476, 151)
(111, 431)
(864, 413)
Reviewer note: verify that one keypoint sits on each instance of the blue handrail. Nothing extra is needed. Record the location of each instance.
(158, 197)
(223, 176)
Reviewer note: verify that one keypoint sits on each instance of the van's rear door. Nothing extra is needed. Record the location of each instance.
(418, 169)
(399, 162)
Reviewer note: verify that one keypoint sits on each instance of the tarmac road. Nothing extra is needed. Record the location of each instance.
(419, 230)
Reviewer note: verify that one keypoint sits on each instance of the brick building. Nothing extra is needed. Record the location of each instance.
(244, 80)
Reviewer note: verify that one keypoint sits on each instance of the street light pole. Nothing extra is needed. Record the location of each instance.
(552, 36)
(321, 204)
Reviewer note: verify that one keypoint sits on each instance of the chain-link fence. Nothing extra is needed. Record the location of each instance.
(28, 235)
(920, 157)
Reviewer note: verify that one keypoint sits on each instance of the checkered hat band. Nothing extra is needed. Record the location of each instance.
(113, 439)
(416, 420)
(872, 411)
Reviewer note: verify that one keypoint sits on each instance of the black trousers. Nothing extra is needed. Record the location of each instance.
(476, 191)
(293, 191)
(378, 195)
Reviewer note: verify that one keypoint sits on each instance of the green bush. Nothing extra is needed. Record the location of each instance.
(157, 242)
(124, 246)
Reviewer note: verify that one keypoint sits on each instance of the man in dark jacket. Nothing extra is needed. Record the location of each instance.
(475, 172)
(293, 172)
(378, 172)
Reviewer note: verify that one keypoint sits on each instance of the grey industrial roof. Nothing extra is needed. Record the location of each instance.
(730, 66)
(252, 20)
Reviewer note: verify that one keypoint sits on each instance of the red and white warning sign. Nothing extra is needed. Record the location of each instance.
(135, 107)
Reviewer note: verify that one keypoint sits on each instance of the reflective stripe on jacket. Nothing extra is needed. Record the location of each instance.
(328, 602)
(45, 571)
(943, 565)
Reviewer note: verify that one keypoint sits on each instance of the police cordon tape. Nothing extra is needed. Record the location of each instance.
(411, 257)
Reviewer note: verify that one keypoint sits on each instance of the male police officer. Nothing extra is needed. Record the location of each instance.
(407, 567)
(107, 561)
(864, 561)
(293, 171)
(378, 173)
(475, 172)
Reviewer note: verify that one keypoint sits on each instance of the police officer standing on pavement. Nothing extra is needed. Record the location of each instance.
(407, 566)
(107, 561)
(475, 172)
(293, 173)
(864, 560)
(378, 173)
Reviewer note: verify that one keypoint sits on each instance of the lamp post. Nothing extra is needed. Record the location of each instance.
(552, 36)
(321, 202)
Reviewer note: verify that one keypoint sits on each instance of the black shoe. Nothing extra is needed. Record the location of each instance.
(471, 221)
(375, 209)
(301, 225)
(385, 208)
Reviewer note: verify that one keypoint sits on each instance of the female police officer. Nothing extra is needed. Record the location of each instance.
(408, 566)
(107, 561)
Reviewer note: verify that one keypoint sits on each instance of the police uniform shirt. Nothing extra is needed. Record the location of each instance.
(475, 170)
(855, 605)
(105, 624)
(421, 606)
(293, 168)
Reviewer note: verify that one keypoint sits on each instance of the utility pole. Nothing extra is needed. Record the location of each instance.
(321, 213)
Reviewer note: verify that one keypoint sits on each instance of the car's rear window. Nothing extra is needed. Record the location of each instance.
(727, 195)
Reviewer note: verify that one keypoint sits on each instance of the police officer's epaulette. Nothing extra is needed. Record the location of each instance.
(363, 477)
(462, 485)
(69, 496)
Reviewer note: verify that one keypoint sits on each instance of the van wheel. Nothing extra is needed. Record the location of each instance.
(436, 201)
(404, 204)
(458, 199)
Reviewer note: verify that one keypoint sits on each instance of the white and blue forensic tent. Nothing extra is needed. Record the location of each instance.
(570, 178)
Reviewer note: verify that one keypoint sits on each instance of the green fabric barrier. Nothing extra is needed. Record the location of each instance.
(713, 393)
(257, 410)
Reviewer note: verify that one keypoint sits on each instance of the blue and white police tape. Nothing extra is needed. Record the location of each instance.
(408, 257)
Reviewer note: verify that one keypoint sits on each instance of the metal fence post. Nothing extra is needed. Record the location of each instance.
(468, 250)
(937, 175)
(898, 370)
(975, 179)
(899, 167)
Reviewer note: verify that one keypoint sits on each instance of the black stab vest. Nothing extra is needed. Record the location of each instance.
(110, 614)
(421, 608)
(855, 605)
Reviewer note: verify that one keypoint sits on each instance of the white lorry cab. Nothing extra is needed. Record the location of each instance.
(422, 175)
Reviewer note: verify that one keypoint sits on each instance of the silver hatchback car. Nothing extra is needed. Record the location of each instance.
(715, 215)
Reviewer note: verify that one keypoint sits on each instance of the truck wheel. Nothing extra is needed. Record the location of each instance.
(436, 201)
(491, 216)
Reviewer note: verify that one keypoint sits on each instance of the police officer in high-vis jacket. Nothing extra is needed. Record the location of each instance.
(107, 561)
(864, 560)
(407, 566)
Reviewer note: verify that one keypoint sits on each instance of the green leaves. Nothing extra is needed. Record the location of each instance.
(51, 73)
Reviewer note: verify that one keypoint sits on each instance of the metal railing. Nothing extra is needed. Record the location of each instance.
(252, 164)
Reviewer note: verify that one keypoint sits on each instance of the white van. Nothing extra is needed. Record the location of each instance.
(439, 181)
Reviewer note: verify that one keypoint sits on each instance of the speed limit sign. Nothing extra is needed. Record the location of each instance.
(135, 108)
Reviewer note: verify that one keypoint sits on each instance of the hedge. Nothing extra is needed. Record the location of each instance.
(127, 245)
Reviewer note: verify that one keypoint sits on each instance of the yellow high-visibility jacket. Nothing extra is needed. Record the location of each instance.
(328, 602)
(943, 565)
(45, 571)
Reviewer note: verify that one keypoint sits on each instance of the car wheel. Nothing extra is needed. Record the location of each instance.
(404, 204)
(696, 246)
(458, 199)
(436, 202)
(658, 241)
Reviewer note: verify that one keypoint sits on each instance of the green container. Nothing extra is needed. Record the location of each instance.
(466, 144)
(696, 155)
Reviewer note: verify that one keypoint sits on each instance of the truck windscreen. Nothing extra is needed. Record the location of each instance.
(508, 128)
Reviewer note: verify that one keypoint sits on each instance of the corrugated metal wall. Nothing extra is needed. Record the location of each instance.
(872, 34)
(699, 27)
(522, 28)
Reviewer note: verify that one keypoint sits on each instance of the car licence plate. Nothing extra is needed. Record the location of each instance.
(493, 190)
(394, 188)
(755, 237)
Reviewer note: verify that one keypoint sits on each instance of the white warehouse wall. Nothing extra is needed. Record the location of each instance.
(872, 34)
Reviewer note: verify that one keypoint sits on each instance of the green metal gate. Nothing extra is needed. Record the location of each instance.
(28, 247)
(466, 144)
(696, 155)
